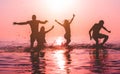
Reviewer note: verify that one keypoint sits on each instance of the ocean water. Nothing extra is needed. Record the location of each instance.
(77, 59)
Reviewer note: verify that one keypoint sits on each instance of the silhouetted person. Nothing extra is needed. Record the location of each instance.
(34, 24)
(41, 36)
(66, 26)
(96, 32)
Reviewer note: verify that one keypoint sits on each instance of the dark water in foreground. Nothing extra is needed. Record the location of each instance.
(60, 60)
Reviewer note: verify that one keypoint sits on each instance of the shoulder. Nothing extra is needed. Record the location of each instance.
(96, 24)
(29, 21)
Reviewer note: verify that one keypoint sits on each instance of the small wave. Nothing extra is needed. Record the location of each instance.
(22, 48)
(88, 46)
(12, 49)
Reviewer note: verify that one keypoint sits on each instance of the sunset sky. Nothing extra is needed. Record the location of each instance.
(87, 13)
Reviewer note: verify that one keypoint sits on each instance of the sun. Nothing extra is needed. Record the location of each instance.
(58, 5)
(59, 41)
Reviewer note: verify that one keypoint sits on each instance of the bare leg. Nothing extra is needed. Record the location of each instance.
(97, 42)
(105, 39)
(68, 41)
(67, 37)
(32, 40)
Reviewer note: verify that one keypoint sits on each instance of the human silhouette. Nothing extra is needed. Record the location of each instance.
(41, 36)
(96, 32)
(66, 26)
(34, 24)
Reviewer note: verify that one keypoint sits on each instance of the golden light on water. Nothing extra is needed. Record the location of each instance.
(57, 60)
(60, 60)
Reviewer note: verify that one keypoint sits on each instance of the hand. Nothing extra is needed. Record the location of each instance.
(55, 20)
(46, 21)
(52, 26)
(73, 15)
(109, 31)
(14, 23)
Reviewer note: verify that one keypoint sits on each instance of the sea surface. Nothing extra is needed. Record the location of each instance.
(76, 59)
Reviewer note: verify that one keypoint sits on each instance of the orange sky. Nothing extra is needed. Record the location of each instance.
(87, 13)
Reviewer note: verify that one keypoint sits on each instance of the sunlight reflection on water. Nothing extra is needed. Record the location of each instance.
(61, 61)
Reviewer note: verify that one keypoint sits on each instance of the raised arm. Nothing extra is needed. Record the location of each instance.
(106, 29)
(49, 29)
(43, 22)
(59, 23)
(72, 18)
(20, 23)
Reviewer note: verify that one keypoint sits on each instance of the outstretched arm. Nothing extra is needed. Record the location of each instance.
(106, 29)
(49, 29)
(20, 23)
(90, 33)
(43, 22)
(59, 23)
(72, 18)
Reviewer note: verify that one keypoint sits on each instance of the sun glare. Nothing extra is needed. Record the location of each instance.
(58, 5)
(59, 41)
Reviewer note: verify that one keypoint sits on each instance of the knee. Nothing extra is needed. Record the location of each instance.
(106, 36)
(69, 40)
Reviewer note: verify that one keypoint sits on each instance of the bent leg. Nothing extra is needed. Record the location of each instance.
(67, 37)
(96, 40)
(105, 38)
(68, 41)
(95, 37)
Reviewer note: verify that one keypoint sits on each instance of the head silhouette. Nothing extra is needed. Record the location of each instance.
(66, 21)
(33, 17)
(101, 22)
(42, 29)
